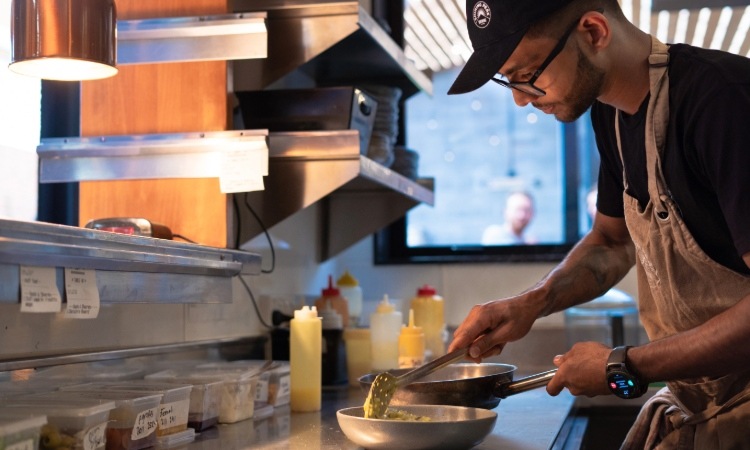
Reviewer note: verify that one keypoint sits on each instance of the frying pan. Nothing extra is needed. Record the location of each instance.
(472, 385)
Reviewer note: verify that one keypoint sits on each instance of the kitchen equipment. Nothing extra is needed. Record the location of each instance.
(450, 427)
(329, 108)
(476, 385)
(386, 384)
(131, 225)
(611, 319)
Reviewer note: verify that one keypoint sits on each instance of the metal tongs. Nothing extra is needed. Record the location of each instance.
(385, 385)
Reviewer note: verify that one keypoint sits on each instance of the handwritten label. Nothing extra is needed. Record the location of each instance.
(94, 437)
(242, 170)
(285, 391)
(82, 294)
(261, 391)
(23, 445)
(39, 292)
(145, 423)
(173, 414)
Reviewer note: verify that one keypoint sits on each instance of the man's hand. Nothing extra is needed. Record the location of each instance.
(582, 370)
(491, 325)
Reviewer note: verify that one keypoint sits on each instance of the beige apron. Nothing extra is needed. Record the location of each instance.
(679, 288)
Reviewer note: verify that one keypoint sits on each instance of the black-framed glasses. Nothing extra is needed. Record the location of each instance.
(527, 87)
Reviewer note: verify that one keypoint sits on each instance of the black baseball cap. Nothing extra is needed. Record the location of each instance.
(495, 29)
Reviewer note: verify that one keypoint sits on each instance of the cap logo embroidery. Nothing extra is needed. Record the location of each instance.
(481, 14)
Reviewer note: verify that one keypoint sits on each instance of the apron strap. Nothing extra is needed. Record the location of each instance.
(657, 118)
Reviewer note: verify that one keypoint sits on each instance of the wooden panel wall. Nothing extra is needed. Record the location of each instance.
(160, 98)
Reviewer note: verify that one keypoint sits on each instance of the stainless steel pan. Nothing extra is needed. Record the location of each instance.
(472, 385)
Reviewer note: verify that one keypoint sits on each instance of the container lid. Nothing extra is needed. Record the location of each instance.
(120, 397)
(331, 318)
(331, 290)
(306, 313)
(166, 389)
(385, 307)
(11, 423)
(347, 280)
(60, 404)
(612, 300)
(426, 291)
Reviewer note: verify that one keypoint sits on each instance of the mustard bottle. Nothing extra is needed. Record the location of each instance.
(411, 345)
(305, 355)
(429, 313)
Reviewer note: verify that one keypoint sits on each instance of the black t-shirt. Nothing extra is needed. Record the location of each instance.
(706, 160)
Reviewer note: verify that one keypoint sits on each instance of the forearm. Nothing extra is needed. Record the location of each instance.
(716, 348)
(592, 267)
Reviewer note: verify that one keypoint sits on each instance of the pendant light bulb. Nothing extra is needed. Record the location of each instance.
(64, 39)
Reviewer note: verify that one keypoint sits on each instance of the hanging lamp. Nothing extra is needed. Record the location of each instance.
(64, 39)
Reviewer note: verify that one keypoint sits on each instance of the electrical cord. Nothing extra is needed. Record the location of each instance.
(183, 238)
(265, 231)
(255, 303)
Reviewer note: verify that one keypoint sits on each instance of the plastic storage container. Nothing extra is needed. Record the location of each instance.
(385, 328)
(132, 422)
(349, 289)
(90, 372)
(20, 432)
(72, 422)
(174, 406)
(237, 392)
(358, 354)
(611, 319)
(305, 354)
(205, 397)
(429, 313)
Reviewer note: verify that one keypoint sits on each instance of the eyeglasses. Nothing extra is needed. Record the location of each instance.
(527, 87)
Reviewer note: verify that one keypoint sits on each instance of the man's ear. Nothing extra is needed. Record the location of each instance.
(598, 31)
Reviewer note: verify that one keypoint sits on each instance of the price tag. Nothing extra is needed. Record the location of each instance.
(39, 292)
(242, 170)
(82, 294)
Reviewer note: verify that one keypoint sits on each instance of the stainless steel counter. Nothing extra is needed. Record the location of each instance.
(526, 421)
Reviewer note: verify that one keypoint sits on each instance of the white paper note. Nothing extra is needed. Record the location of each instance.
(242, 170)
(82, 294)
(39, 292)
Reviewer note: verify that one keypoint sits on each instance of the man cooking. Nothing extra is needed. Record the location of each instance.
(673, 199)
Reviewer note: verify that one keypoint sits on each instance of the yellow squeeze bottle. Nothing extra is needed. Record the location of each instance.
(305, 355)
(429, 313)
(411, 345)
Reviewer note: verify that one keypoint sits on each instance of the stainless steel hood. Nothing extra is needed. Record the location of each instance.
(325, 43)
(357, 195)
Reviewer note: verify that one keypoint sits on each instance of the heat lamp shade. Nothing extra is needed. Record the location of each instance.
(64, 39)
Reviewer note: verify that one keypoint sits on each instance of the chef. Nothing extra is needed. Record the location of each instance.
(673, 199)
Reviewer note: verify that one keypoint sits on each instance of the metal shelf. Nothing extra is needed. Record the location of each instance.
(334, 43)
(129, 269)
(358, 195)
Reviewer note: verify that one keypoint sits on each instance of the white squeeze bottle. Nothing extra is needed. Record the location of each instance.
(350, 290)
(385, 329)
(305, 355)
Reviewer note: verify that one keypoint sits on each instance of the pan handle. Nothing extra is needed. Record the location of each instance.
(503, 390)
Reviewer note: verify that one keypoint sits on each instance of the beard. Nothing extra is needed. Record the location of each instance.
(588, 85)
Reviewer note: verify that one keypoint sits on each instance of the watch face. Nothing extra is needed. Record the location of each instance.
(623, 385)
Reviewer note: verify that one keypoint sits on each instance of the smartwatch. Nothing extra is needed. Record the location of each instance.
(622, 381)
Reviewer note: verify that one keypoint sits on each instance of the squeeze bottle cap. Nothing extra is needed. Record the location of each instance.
(347, 280)
(412, 329)
(331, 318)
(385, 306)
(331, 290)
(306, 313)
(426, 291)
